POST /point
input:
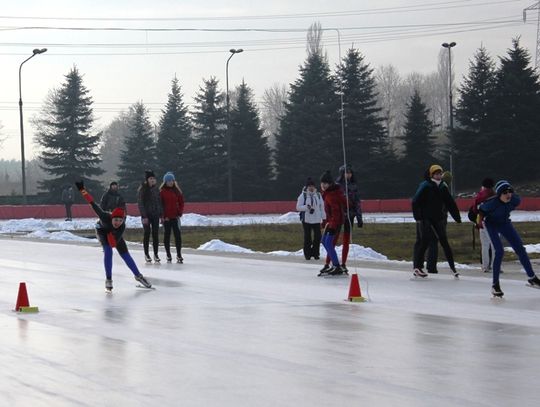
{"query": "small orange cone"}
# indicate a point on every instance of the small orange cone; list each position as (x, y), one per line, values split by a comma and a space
(23, 305)
(355, 295)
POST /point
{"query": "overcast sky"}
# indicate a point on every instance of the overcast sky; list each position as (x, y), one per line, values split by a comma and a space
(121, 67)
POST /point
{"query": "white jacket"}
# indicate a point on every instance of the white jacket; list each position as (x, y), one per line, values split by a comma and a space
(315, 200)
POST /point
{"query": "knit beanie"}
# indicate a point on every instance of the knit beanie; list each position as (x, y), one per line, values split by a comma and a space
(447, 177)
(501, 186)
(310, 182)
(433, 169)
(169, 176)
(118, 213)
(148, 174)
(327, 177)
(488, 183)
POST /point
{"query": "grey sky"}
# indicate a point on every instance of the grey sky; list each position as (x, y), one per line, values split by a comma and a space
(399, 36)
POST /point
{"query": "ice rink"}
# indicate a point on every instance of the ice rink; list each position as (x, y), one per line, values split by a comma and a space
(237, 330)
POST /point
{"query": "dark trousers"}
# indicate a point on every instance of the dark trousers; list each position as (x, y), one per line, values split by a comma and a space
(509, 233)
(428, 231)
(151, 227)
(312, 239)
(168, 225)
(68, 210)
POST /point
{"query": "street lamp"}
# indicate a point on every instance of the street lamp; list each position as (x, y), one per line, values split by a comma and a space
(35, 52)
(449, 46)
(229, 163)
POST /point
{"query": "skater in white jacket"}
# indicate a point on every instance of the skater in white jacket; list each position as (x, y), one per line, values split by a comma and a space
(310, 204)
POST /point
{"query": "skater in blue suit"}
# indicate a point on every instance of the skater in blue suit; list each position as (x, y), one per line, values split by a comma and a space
(109, 231)
(496, 215)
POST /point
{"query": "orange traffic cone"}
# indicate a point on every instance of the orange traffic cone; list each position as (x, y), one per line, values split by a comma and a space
(23, 305)
(355, 295)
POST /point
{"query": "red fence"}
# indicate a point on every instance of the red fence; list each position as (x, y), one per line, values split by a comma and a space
(229, 208)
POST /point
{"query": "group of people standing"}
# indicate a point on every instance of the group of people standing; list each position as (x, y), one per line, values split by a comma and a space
(335, 210)
(338, 206)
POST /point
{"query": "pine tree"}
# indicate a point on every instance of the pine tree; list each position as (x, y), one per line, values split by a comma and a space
(250, 152)
(139, 151)
(205, 175)
(366, 140)
(418, 139)
(470, 138)
(174, 134)
(69, 147)
(514, 119)
(309, 140)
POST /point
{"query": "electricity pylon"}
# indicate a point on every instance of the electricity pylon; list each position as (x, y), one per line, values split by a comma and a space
(535, 6)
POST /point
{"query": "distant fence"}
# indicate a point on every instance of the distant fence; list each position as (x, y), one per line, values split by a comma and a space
(229, 208)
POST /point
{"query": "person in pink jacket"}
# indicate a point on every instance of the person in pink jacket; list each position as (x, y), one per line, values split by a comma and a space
(486, 192)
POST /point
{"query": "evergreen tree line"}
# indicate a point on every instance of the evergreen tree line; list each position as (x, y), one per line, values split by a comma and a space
(496, 123)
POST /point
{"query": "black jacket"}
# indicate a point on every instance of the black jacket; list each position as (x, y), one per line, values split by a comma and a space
(431, 201)
(111, 200)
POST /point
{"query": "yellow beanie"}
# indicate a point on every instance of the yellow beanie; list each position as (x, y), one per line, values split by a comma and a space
(434, 168)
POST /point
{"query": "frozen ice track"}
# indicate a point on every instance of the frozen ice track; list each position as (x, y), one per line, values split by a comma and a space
(226, 331)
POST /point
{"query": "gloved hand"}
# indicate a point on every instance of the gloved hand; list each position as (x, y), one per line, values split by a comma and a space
(458, 220)
(360, 221)
(80, 186)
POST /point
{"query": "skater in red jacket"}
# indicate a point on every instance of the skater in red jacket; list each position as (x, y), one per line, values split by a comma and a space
(172, 201)
(335, 205)
(109, 231)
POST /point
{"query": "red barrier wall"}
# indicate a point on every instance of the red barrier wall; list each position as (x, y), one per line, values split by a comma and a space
(230, 208)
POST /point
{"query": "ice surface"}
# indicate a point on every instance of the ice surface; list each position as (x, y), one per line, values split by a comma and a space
(239, 331)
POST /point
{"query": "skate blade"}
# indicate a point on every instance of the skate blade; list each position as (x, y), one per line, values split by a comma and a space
(497, 297)
(418, 278)
(334, 276)
(146, 288)
(533, 286)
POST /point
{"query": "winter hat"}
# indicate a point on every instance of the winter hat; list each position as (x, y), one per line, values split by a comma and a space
(310, 182)
(118, 213)
(447, 177)
(148, 174)
(169, 176)
(327, 177)
(501, 186)
(113, 183)
(488, 183)
(345, 168)
(433, 169)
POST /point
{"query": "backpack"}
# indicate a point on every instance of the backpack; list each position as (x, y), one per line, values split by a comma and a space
(302, 214)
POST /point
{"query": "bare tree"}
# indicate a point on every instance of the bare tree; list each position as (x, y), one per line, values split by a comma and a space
(389, 90)
(272, 109)
(314, 39)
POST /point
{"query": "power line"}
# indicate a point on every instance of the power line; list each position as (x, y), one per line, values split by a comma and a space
(383, 10)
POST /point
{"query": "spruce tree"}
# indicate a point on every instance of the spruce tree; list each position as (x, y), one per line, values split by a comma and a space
(174, 134)
(206, 163)
(514, 119)
(417, 138)
(250, 152)
(365, 137)
(65, 134)
(470, 140)
(309, 140)
(138, 153)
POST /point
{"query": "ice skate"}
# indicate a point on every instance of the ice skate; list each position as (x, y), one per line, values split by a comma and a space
(419, 273)
(179, 259)
(324, 271)
(456, 274)
(108, 285)
(534, 282)
(336, 271)
(144, 282)
(496, 291)
(147, 259)
(169, 259)
(345, 269)
(157, 259)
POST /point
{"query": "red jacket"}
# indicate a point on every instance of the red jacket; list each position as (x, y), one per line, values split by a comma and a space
(172, 201)
(482, 196)
(335, 206)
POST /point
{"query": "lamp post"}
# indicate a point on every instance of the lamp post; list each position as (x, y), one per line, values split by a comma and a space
(229, 162)
(35, 52)
(449, 46)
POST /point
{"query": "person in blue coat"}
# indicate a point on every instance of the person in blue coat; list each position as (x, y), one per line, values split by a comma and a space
(495, 213)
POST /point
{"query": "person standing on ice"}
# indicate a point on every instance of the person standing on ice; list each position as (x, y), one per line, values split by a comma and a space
(109, 231)
(495, 215)
(347, 182)
(112, 198)
(486, 192)
(172, 201)
(310, 204)
(429, 205)
(149, 202)
(67, 200)
(335, 205)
